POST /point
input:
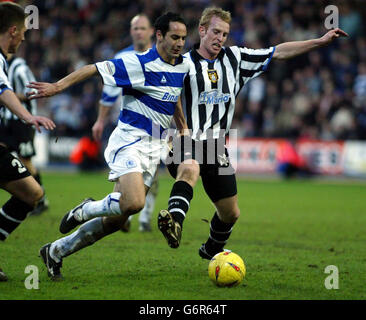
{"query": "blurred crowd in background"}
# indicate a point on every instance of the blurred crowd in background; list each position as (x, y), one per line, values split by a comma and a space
(320, 95)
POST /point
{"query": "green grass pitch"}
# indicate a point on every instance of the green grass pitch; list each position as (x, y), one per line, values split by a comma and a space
(288, 233)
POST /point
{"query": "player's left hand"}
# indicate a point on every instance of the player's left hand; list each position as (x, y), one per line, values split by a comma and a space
(333, 34)
(39, 121)
(42, 90)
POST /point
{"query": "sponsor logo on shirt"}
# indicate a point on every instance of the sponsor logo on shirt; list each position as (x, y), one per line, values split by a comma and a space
(170, 97)
(163, 80)
(213, 97)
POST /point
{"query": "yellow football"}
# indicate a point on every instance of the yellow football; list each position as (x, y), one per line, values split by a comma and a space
(226, 269)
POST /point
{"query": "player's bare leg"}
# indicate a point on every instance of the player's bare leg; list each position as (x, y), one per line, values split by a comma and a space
(221, 226)
(43, 202)
(188, 171)
(101, 222)
(147, 212)
(123, 200)
(27, 190)
(170, 221)
(228, 209)
(131, 201)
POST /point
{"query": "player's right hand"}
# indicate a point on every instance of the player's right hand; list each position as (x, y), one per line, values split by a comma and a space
(42, 90)
(39, 122)
(98, 130)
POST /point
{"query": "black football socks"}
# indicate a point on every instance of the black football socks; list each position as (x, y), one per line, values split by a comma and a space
(12, 215)
(180, 198)
(219, 235)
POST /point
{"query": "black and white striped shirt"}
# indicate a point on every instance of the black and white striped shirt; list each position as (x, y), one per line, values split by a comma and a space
(19, 75)
(208, 96)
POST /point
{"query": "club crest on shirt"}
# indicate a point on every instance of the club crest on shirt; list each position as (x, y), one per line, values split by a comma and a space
(212, 75)
(130, 164)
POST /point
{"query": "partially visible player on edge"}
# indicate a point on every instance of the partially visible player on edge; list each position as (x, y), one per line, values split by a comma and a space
(14, 176)
(152, 83)
(141, 33)
(14, 133)
(216, 76)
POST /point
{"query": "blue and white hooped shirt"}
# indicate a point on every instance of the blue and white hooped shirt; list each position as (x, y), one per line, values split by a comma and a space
(151, 88)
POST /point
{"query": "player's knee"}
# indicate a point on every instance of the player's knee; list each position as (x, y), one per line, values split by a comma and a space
(189, 172)
(35, 196)
(231, 215)
(236, 214)
(113, 224)
(132, 206)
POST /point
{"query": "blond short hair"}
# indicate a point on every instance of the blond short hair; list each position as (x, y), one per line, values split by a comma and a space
(210, 12)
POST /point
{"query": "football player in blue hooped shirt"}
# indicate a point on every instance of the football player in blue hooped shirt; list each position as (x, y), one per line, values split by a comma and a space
(152, 83)
(141, 33)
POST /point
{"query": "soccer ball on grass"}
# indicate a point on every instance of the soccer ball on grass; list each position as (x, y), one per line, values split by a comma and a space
(226, 269)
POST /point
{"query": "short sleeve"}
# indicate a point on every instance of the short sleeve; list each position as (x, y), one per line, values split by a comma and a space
(253, 62)
(114, 73)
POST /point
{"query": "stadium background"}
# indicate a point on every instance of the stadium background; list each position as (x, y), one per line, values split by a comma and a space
(316, 97)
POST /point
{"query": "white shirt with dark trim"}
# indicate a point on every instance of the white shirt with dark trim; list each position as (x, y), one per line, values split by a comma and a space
(210, 90)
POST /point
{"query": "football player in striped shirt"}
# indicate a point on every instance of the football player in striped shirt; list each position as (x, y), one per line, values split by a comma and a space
(18, 136)
(141, 33)
(14, 177)
(152, 83)
(216, 76)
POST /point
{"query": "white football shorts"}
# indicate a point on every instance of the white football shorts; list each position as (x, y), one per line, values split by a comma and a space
(126, 153)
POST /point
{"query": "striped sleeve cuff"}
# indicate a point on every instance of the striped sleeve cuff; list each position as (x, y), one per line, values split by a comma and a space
(4, 87)
(265, 66)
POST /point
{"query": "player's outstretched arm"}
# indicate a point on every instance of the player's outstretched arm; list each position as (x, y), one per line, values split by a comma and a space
(45, 89)
(292, 49)
(10, 100)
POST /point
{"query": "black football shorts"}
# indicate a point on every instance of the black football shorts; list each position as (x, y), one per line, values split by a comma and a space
(11, 167)
(217, 173)
(18, 136)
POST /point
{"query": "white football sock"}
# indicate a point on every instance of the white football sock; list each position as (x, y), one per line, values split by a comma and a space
(89, 232)
(109, 206)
